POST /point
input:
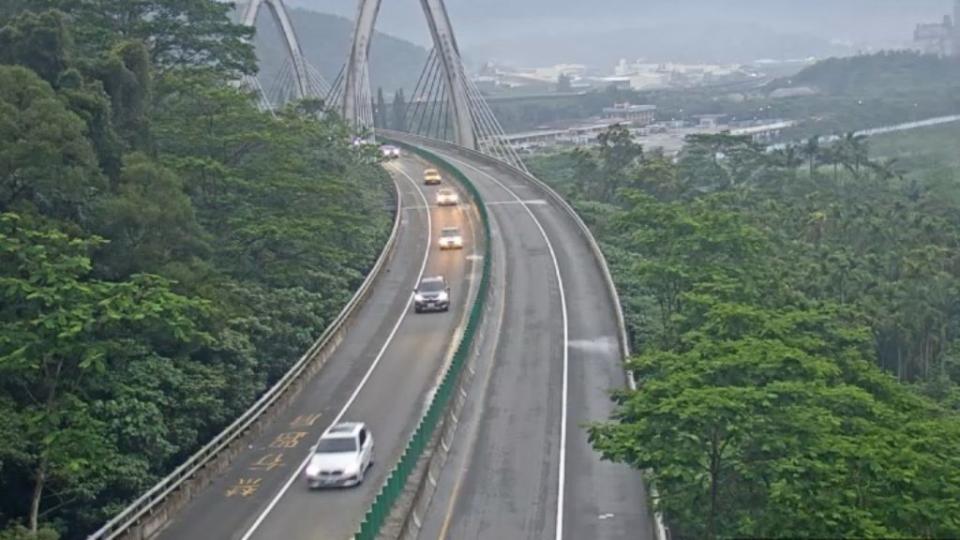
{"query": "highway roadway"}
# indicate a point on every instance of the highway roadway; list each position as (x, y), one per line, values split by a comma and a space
(382, 374)
(521, 466)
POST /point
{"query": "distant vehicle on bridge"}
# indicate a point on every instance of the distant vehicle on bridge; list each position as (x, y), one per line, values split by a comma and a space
(432, 177)
(341, 457)
(433, 294)
(447, 197)
(450, 238)
(389, 151)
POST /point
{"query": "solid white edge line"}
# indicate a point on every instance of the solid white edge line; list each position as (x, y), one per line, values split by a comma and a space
(562, 477)
(423, 266)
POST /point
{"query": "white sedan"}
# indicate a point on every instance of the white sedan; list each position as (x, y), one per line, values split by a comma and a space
(450, 238)
(341, 457)
(447, 197)
(388, 151)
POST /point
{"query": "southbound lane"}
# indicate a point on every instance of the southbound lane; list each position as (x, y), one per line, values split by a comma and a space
(381, 374)
(525, 468)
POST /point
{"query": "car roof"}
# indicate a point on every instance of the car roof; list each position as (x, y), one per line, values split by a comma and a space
(432, 279)
(446, 190)
(343, 429)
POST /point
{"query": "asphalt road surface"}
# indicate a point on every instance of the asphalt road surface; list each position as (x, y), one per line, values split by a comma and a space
(521, 466)
(382, 374)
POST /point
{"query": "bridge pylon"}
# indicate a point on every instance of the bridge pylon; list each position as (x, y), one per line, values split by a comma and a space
(354, 98)
(302, 79)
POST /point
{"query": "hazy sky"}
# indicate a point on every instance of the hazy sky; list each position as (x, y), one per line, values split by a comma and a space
(484, 26)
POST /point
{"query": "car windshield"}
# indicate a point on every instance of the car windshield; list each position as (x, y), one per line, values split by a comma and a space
(337, 445)
(431, 286)
(446, 192)
(447, 233)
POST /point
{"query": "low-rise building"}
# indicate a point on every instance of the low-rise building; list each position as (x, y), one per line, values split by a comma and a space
(629, 114)
(941, 38)
(710, 121)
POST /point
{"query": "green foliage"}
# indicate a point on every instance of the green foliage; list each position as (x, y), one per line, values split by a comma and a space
(166, 250)
(884, 72)
(19, 532)
(46, 162)
(774, 301)
(61, 332)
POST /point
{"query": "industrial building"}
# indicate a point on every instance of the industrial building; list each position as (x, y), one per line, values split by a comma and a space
(943, 38)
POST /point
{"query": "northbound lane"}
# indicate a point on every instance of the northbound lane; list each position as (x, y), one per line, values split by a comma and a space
(381, 374)
(525, 469)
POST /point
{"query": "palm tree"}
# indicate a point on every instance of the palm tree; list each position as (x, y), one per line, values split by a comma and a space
(886, 169)
(788, 157)
(811, 150)
(854, 152)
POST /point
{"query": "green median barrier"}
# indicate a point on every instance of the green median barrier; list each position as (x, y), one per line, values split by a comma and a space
(382, 505)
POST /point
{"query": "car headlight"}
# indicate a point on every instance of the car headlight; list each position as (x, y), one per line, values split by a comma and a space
(443, 297)
(418, 297)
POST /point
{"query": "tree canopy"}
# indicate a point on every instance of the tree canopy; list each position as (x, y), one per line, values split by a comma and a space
(796, 322)
(167, 251)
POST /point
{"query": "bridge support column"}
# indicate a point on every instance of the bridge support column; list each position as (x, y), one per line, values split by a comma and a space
(356, 74)
(279, 12)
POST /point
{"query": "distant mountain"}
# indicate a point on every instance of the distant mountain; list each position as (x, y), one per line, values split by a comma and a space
(325, 39)
(690, 43)
(516, 31)
(899, 73)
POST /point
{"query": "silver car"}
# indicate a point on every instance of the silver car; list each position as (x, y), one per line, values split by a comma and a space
(341, 457)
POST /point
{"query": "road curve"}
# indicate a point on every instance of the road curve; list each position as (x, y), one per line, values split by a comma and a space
(382, 374)
(522, 466)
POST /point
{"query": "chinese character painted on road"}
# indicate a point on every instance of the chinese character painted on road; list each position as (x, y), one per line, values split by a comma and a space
(268, 462)
(288, 440)
(244, 488)
(304, 420)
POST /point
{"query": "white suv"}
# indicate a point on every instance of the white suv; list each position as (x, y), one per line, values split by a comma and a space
(341, 457)
(450, 238)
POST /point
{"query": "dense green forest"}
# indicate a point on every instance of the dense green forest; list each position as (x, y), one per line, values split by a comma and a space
(166, 250)
(929, 152)
(795, 318)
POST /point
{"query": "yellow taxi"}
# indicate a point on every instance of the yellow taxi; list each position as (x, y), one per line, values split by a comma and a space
(432, 177)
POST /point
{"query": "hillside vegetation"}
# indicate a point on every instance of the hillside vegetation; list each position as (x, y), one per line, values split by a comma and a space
(166, 250)
(795, 318)
(877, 74)
(325, 39)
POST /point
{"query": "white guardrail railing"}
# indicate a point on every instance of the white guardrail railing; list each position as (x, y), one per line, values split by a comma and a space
(143, 508)
(660, 528)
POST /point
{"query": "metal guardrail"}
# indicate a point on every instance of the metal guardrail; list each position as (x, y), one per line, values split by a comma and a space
(147, 503)
(660, 529)
(397, 479)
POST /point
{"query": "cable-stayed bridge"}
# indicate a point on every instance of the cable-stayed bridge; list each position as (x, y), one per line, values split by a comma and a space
(446, 104)
(510, 458)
